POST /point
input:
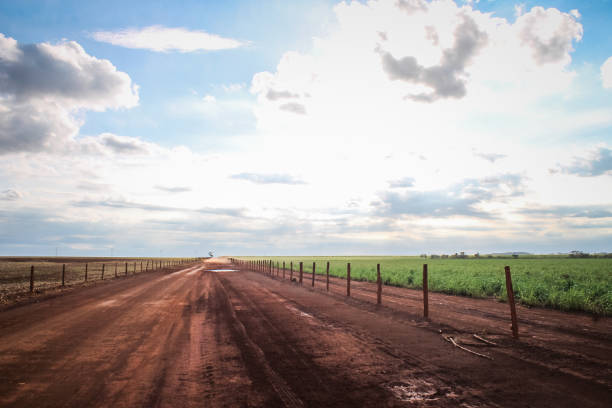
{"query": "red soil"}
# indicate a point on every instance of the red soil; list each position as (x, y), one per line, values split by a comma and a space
(200, 338)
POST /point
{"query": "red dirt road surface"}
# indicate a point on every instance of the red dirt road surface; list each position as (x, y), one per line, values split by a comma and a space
(198, 338)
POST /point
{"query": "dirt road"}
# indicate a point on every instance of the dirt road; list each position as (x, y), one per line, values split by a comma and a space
(197, 338)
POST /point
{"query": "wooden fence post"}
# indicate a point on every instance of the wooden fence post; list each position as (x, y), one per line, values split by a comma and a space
(313, 273)
(63, 274)
(85, 272)
(140, 266)
(126, 269)
(134, 268)
(327, 277)
(115, 269)
(291, 273)
(32, 279)
(301, 271)
(425, 293)
(379, 284)
(102, 277)
(348, 279)
(283, 270)
(511, 302)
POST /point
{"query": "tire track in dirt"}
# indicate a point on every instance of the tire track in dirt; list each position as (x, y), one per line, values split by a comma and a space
(282, 389)
(462, 370)
(309, 346)
(569, 338)
(97, 340)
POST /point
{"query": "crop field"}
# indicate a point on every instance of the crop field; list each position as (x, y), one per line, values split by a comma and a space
(569, 284)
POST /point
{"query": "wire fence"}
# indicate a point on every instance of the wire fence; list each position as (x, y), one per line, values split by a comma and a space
(31, 275)
(295, 273)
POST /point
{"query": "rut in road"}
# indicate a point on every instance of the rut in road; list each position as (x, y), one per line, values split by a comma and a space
(576, 344)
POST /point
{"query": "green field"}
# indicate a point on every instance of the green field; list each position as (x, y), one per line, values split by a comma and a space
(571, 284)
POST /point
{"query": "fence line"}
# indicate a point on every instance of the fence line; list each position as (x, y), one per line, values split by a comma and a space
(253, 265)
(47, 276)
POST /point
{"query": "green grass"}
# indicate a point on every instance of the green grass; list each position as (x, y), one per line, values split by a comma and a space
(570, 284)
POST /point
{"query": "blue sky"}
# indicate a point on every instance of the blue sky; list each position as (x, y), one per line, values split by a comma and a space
(286, 127)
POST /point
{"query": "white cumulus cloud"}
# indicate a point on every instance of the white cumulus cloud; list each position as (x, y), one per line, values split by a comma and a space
(165, 39)
(43, 85)
(371, 74)
(549, 33)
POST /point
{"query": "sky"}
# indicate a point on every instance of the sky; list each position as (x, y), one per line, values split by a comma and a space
(306, 127)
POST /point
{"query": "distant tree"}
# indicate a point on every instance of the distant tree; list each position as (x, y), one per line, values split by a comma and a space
(579, 254)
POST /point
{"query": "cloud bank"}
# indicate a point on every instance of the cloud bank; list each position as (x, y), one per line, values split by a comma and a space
(462, 199)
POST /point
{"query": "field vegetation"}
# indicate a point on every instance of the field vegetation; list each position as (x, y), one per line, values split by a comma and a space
(570, 284)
